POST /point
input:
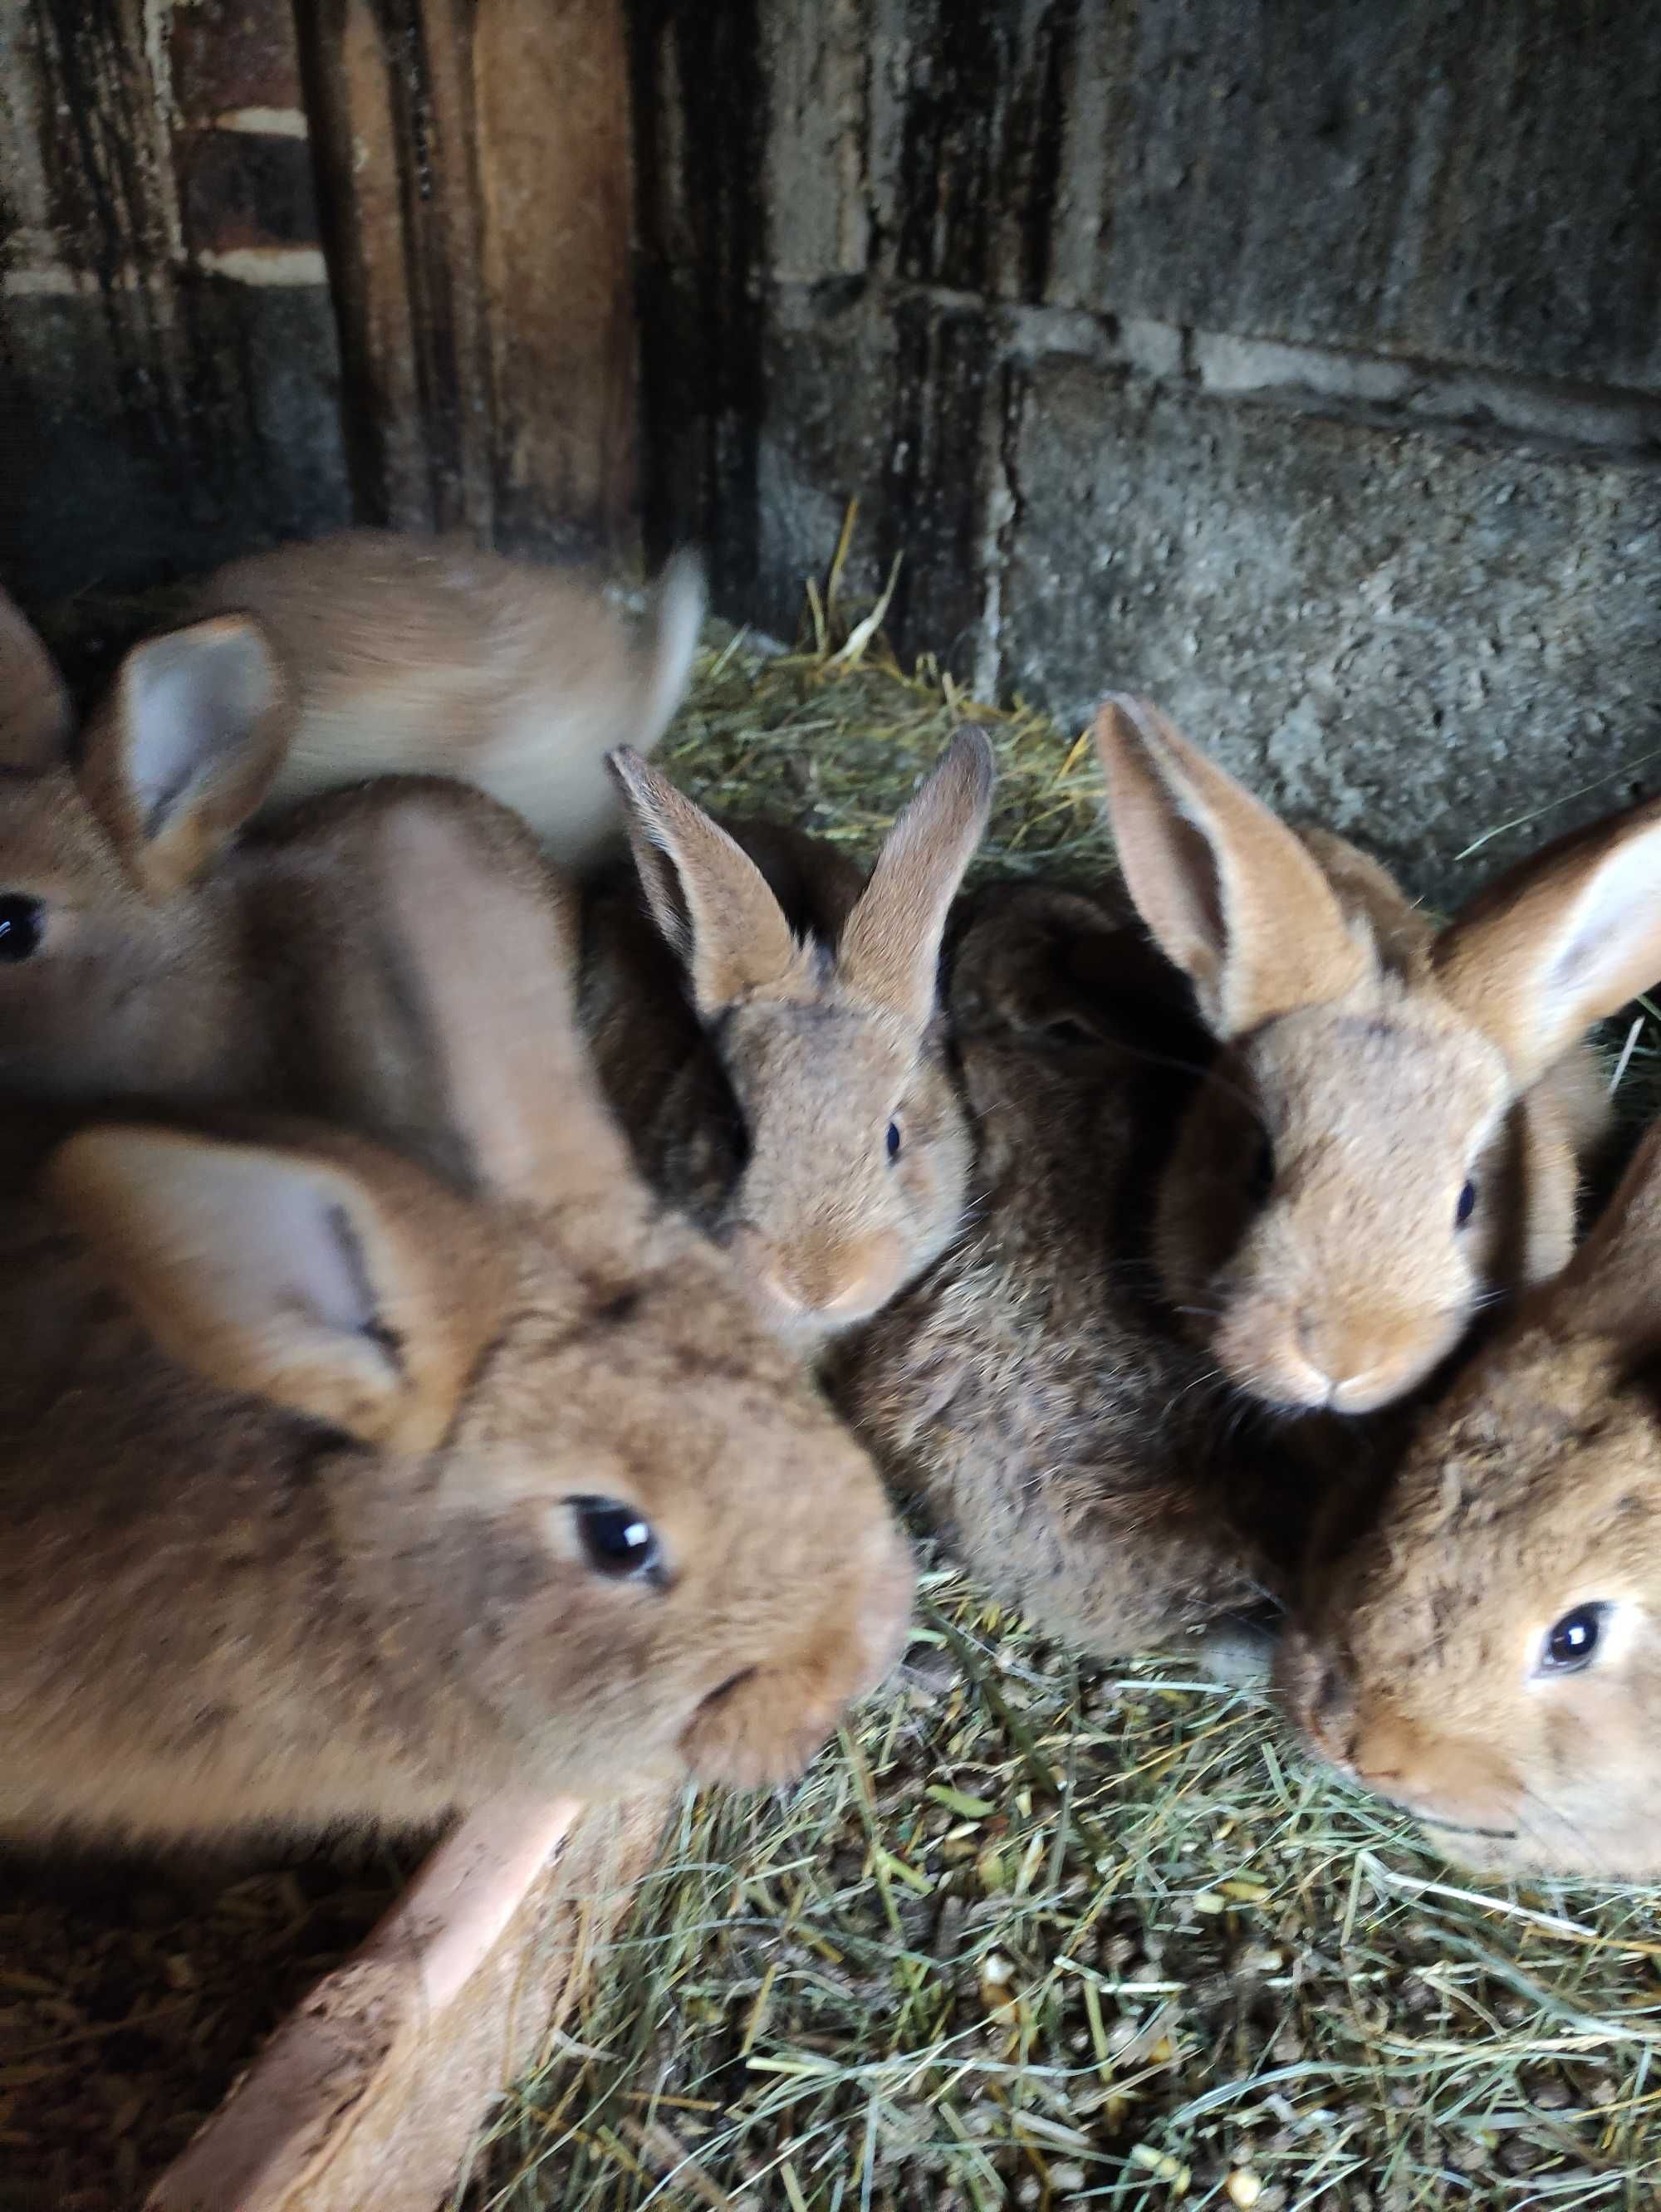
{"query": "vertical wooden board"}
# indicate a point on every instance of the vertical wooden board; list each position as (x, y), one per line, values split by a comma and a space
(555, 174)
(475, 167)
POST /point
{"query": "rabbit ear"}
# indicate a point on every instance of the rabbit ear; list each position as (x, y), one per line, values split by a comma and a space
(185, 748)
(1560, 941)
(357, 1295)
(35, 714)
(1612, 1286)
(707, 895)
(1230, 893)
(467, 1017)
(891, 949)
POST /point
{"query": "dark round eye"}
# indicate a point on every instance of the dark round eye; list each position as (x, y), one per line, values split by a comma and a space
(1467, 1206)
(1263, 1170)
(1570, 1642)
(893, 1141)
(617, 1539)
(23, 925)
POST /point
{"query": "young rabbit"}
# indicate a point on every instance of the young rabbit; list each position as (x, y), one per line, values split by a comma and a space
(122, 965)
(1032, 1390)
(1486, 1650)
(1393, 1129)
(777, 1052)
(427, 656)
(333, 1488)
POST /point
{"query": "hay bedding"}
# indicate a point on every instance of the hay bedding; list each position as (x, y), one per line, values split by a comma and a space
(1032, 1933)
(1036, 1933)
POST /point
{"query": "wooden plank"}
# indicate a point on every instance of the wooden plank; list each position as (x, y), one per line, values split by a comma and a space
(474, 158)
(374, 2090)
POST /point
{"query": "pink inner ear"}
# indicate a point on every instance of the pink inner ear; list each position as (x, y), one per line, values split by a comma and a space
(192, 701)
(312, 1246)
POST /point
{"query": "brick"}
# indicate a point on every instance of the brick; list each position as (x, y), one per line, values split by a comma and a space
(240, 188)
(227, 54)
(1469, 183)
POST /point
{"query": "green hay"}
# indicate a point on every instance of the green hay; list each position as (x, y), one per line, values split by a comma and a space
(1038, 1933)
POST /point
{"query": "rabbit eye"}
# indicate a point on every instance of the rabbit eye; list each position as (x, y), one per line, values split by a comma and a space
(1467, 1206)
(619, 1541)
(1263, 1170)
(22, 926)
(892, 1140)
(1572, 1642)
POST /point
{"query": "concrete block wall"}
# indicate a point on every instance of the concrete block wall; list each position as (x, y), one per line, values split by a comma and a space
(169, 370)
(1296, 360)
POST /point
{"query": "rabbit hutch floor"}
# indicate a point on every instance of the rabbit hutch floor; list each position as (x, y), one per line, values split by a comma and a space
(1031, 1932)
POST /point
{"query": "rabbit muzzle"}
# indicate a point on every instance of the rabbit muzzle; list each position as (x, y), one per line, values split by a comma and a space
(816, 1284)
(762, 1722)
(1311, 1355)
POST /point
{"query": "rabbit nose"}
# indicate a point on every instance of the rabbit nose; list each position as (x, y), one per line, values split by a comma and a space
(847, 1280)
(1346, 1365)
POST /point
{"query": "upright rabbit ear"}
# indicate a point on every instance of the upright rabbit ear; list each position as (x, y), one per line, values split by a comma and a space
(35, 714)
(891, 949)
(1230, 893)
(467, 1016)
(1612, 1286)
(1560, 941)
(341, 1285)
(185, 748)
(707, 895)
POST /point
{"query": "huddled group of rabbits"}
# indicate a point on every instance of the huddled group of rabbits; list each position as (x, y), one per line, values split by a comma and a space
(473, 1288)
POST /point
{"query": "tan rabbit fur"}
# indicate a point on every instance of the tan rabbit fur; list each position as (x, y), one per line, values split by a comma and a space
(1393, 1132)
(1032, 1390)
(784, 1072)
(303, 1478)
(427, 656)
(1436, 1659)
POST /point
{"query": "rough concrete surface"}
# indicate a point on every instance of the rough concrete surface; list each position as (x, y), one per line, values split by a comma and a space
(1413, 636)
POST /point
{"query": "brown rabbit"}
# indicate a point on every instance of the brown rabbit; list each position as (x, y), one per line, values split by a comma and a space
(1393, 1130)
(138, 938)
(1032, 1390)
(1486, 1649)
(333, 1488)
(122, 969)
(426, 656)
(784, 1072)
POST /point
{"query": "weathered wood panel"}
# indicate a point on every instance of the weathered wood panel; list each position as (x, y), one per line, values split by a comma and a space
(167, 357)
(477, 196)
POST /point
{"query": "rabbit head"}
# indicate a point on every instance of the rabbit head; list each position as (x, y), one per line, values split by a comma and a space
(114, 975)
(1391, 1133)
(473, 1487)
(1486, 1650)
(857, 1154)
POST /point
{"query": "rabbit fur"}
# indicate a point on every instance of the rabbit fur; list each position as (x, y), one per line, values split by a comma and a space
(1032, 1391)
(1480, 1641)
(1392, 1132)
(726, 1023)
(772, 1038)
(427, 656)
(316, 1460)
